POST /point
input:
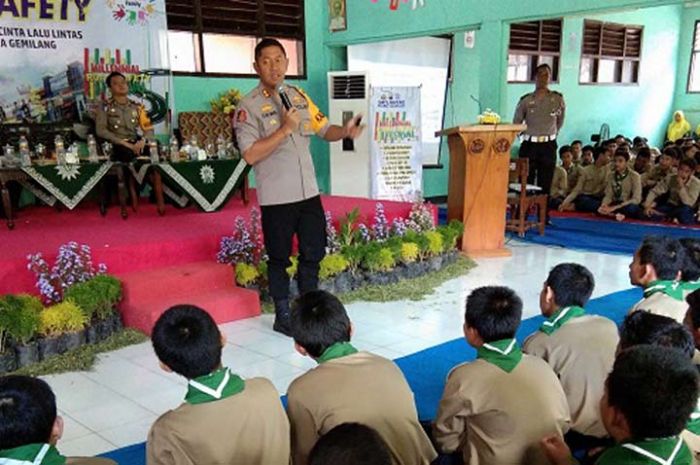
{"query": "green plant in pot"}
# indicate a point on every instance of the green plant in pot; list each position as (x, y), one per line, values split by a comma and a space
(23, 327)
(97, 298)
(62, 326)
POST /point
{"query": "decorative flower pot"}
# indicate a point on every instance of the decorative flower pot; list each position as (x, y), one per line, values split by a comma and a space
(8, 361)
(27, 354)
(70, 341)
(48, 346)
(435, 263)
(91, 334)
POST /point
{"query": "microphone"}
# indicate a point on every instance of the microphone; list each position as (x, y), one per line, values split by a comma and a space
(285, 98)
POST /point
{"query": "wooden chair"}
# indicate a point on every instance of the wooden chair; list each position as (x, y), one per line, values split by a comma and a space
(520, 201)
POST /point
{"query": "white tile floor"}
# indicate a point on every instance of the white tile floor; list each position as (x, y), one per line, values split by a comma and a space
(114, 405)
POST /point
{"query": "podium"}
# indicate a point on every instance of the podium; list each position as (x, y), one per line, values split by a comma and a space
(478, 184)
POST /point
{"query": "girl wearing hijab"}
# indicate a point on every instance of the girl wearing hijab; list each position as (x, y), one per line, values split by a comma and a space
(678, 128)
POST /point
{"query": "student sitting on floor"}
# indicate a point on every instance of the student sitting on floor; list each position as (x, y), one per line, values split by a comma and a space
(348, 386)
(350, 444)
(657, 267)
(587, 156)
(646, 328)
(661, 170)
(649, 396)
(588, 193)
(624, 190)
(642, 162)
(576, 152)
(223, 419)
(30, 426)
(580, 348)
(565, 177)
(683, 190)
(496, 408)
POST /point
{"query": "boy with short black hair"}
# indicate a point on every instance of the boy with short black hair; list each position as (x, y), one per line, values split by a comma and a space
(657, 267)
(496, 408)
(565, 177)
(691, 271)
(350, 444)
(576, 151)
(587, 155)
(588, 193)
(224, 419)
(30, 426)
(642, 162)
(683, 190)
(624, 190)
(649, 396)
(348, 386)
(642, 327)
(580, 348)
(662, 169)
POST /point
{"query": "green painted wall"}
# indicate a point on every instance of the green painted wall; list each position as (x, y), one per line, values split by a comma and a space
(631, 110)
(194, 93)
(689, 103)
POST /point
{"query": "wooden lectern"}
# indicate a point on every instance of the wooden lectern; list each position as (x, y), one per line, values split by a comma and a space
(478, 186)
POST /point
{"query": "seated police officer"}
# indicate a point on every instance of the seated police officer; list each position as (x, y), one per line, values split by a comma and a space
(123, 122)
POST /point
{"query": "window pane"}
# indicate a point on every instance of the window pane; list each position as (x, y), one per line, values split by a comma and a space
(518, 68)
(183, 51)
(229, 54)
(295, 55)
(606, 71)
(586, 72)
(694, 81)
(629, 71)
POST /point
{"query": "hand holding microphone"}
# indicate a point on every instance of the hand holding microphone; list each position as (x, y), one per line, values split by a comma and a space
(353, 129)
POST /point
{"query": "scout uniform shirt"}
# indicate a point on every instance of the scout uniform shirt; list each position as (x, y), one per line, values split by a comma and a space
(116, 123)
(544, 116)
(287, 175)
(592, 181)
(351, 386)
(572, 175)
(666, 451)
(656, 174)
(560, 183)
(580, 349)
(666, 298)
(676, 195)
(45, 454)
(497, 408)
(691, 433)
(224, 420)
(623, 188)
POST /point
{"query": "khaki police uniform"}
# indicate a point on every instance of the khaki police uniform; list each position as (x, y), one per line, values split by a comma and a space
(363, 388)
(499, 418)
(592, 183)
(286, 186)
(581, 352)
(544, 117)
(117, 123)
(246, 428)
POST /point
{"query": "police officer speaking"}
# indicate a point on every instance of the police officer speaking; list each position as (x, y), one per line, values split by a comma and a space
(273, 125)
(543, 113)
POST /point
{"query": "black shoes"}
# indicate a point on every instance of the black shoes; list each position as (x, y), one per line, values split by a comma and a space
(282, 320)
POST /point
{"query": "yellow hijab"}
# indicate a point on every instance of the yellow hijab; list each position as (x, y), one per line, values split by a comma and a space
(678, 129)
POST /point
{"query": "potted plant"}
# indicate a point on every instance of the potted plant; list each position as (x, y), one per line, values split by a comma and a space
(62, 326)
(97, 298)
(23, 327)
(8, 360)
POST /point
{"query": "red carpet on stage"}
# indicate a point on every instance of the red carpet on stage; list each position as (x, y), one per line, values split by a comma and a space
(162, 260)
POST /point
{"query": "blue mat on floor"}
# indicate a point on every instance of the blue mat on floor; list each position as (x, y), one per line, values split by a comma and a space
(600, 235)
(427, 370)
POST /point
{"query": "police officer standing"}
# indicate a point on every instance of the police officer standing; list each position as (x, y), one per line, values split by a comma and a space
(273, 125)
(543, 113)
(123, 122)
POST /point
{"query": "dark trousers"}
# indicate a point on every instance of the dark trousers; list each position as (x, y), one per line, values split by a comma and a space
(683, 213)
(630, 211)
(542, 158)
(307, 220)
(126, 155)
(587, 203)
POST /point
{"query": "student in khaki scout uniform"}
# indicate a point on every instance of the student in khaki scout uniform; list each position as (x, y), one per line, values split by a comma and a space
(565, 177)
(657, 267)
(588, 193)
(276, 143)
(656, 330)
(662, 169)
(496, 408)
(543, 112)
(683, 190)
(30, 427)
(576, 152)
(123, 122)
(587, 156)
(645, 382)
(348, 386)
(623, 193)
(580, 348)
(224, 419)
(642, 161)
(350, 444)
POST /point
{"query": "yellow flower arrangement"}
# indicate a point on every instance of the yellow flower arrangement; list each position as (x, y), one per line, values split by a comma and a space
(226, 102)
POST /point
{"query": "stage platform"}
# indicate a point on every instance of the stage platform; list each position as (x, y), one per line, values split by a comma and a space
(161, 259)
